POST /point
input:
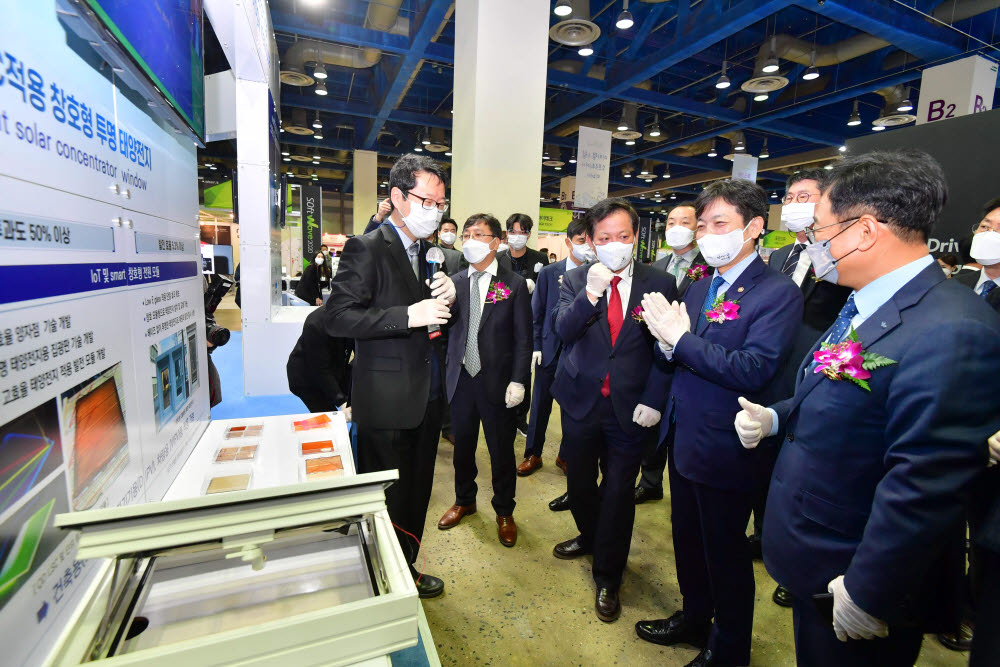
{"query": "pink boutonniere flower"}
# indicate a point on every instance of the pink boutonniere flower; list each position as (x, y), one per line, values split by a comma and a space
(498, 292)
(848, 361)
(723, 311)
(637, 314)
(697, 272)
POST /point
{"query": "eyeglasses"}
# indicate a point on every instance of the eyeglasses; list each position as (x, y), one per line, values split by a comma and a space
(811, 230)
(986, 226)
(801, 197)
(478, 236)
(427, 203)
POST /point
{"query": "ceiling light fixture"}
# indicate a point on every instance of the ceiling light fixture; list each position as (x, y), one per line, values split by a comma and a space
(723, 81)
(622, 123)
(285, 153)
(563, 8)
(739, 146)
(673, 196)
(286, 159)
(771, 64)
(318, 124)
(760, 97)
(812, 72)
(586, 50)
(774, 195)
(418, 148)
(828, 167)
(855, 118)
(321, 89)
(572, 159)
(448, 153)
(624, 20)
(654, 129)
(764, 153)
(630, 142)
(842, 149)
(712, 152)
(878, 128)
(319, 72)
(906, 105)
(666, 172)
(318, 135)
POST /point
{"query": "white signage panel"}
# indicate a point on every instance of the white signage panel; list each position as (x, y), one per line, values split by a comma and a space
(593, 166)
(745, 167)
(956, 89)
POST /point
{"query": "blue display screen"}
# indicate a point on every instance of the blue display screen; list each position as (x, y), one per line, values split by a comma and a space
(164, 37)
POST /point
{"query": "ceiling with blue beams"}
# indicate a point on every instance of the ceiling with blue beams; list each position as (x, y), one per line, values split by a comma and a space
(389, 77)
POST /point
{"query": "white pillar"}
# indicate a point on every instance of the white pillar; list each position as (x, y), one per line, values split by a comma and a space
(365, 188)
(501, 52)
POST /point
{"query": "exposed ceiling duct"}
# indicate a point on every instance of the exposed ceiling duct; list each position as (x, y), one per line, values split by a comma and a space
(298, 123)
(891, 116)
(576, 29)
(382, 15)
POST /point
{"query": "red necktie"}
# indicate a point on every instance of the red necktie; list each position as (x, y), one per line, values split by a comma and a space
(615, 321)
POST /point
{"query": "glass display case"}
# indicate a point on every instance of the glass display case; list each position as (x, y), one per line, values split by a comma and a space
(309, 574)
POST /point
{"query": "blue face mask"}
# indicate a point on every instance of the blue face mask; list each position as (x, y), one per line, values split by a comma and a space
(823, 261)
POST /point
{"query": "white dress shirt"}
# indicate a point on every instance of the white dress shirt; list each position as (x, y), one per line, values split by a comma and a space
(685, 261)
(983, 279)
(802, 267)
(407, 242)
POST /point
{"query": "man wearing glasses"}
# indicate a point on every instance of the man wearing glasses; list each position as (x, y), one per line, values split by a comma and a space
(823, 301)
(385, 298)
(986, 251)
(877, 463)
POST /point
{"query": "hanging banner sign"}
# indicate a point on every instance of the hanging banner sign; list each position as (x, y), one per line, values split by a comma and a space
(593, 167)
(312, 222)
(645, 239)
(745, 168)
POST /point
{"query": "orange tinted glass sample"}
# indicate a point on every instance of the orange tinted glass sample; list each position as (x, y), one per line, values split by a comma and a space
(317, 447)
(324, 466)
(226, 454)
(318, 421)
(100, 431)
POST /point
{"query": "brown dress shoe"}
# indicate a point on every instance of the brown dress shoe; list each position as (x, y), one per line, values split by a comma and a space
(607, 605)
(507, 530)
(529, 465)
(454, 515)
(561, 464)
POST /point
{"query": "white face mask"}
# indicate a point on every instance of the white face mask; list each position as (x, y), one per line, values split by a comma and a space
(421, 222)
(320, 260)
(475, 251)
(517, 241)
(720, 249)
(615, 255)
(679, 236)
(503, 247)
(449, 237)
(986, 248)
(947, 271)
(797, 216)
(582, 252)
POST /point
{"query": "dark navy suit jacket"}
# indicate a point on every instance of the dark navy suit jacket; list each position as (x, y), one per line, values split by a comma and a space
(544, 305)
(718, 363)
(589, 357)
(504, 336)
(874, 485)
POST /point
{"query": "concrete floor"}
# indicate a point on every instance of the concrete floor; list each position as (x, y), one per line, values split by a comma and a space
(522, 606)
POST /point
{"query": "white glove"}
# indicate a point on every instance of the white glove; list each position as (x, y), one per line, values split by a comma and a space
(515, 394)
(666, 321)
(645, 417)
(538, 267)
(752, 423)
(994, 443)
(531, 285)
(536, 359)
(442, 287)
(428, 311)
(598, 279)
(346, 410)
(850, 620)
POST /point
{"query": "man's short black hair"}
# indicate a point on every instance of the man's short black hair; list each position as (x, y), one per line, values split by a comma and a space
(904, 189)
(403, 174)
(526, 222)
(818, 175)
(747, 197)
(991, 206)
(683, 203)
(448, 221)
(950, 259)
(476, 218)
(605, 208)
(324, 246)
(575, 228)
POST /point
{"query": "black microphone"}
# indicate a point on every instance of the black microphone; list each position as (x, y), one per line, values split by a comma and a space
(435, 257)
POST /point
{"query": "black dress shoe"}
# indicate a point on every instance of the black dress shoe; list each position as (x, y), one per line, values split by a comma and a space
(782, 597)
(428, 586)
(756, 550)
(706, 659)
(674, 630)
(957, 642)
(571, 549)
(642, 494)
(560, 504)
(607, 605)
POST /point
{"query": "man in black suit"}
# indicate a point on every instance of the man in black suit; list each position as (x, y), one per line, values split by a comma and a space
(489, 364)
(823, 301)
(385, 298)
(687, 266)
(986, 251)
(319, 368)
(986, 556)
(610, 391)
